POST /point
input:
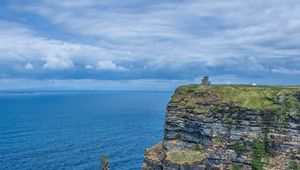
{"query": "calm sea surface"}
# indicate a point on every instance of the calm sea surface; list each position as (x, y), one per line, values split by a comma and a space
(72, 130)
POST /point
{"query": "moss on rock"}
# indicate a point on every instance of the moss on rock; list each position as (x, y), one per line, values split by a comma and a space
(181, 157)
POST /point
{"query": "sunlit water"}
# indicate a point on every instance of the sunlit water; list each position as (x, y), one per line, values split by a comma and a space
(72, 130)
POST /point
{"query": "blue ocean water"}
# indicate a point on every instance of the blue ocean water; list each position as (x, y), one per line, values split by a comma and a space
(72, 130)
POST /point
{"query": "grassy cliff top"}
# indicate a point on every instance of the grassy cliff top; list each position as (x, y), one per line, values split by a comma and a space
(254, 97)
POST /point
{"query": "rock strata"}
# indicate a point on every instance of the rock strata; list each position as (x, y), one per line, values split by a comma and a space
(229, 127)
(105, 163)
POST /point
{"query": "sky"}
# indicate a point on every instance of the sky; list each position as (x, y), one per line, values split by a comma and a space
(147, 45)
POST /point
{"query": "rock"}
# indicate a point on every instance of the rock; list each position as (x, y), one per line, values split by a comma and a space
(297, 94)
(105, 163)
(218, 127)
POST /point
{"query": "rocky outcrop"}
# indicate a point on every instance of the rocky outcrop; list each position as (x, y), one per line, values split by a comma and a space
(229, 127)
(105, 163)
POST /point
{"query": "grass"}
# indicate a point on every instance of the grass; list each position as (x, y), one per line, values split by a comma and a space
(295, 165)
(291, 106)
(259, 155)
(253, 97)
(199, 147)
(181, 157)
(235, 167)
(239, 147)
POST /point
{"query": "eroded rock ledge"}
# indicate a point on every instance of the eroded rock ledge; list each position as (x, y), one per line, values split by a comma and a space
(229, 127)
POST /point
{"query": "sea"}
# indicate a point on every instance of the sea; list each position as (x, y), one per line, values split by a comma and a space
(73, 130)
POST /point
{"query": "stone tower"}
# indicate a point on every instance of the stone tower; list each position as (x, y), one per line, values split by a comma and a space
(205, 81)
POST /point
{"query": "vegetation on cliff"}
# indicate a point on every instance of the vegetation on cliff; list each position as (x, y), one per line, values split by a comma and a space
(259, 155)
(230, 127)
(276, 98)
(182, 157)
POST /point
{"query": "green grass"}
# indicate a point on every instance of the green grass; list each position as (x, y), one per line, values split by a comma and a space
(295, 165)
(253, 97)
(239, 147)
(236, 167)
(182, 157)
(199, 147)
(259, 155)
(291, 106)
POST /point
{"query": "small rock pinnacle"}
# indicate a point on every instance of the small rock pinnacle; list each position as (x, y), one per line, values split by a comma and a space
(105, 163)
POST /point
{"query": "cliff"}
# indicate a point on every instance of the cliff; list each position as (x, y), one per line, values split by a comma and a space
(229, 127)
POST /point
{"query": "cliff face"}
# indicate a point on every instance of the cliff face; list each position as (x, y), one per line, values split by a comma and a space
(229, 127)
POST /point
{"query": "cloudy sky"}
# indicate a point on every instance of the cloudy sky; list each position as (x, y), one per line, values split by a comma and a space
(142, 44)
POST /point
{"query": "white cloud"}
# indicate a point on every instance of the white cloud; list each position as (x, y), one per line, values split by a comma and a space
(29, 66)
(164, 35)
(58, 63)
(282, 70)
(108, 65)
(18, 44)
(89, 67)
(211, 32)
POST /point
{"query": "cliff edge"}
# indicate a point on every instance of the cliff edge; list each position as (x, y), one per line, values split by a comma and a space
(229, 127)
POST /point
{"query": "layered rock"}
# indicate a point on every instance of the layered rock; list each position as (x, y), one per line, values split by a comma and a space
(105, 163)
(229, 127)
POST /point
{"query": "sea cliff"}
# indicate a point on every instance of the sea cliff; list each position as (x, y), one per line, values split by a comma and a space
(229, 127)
